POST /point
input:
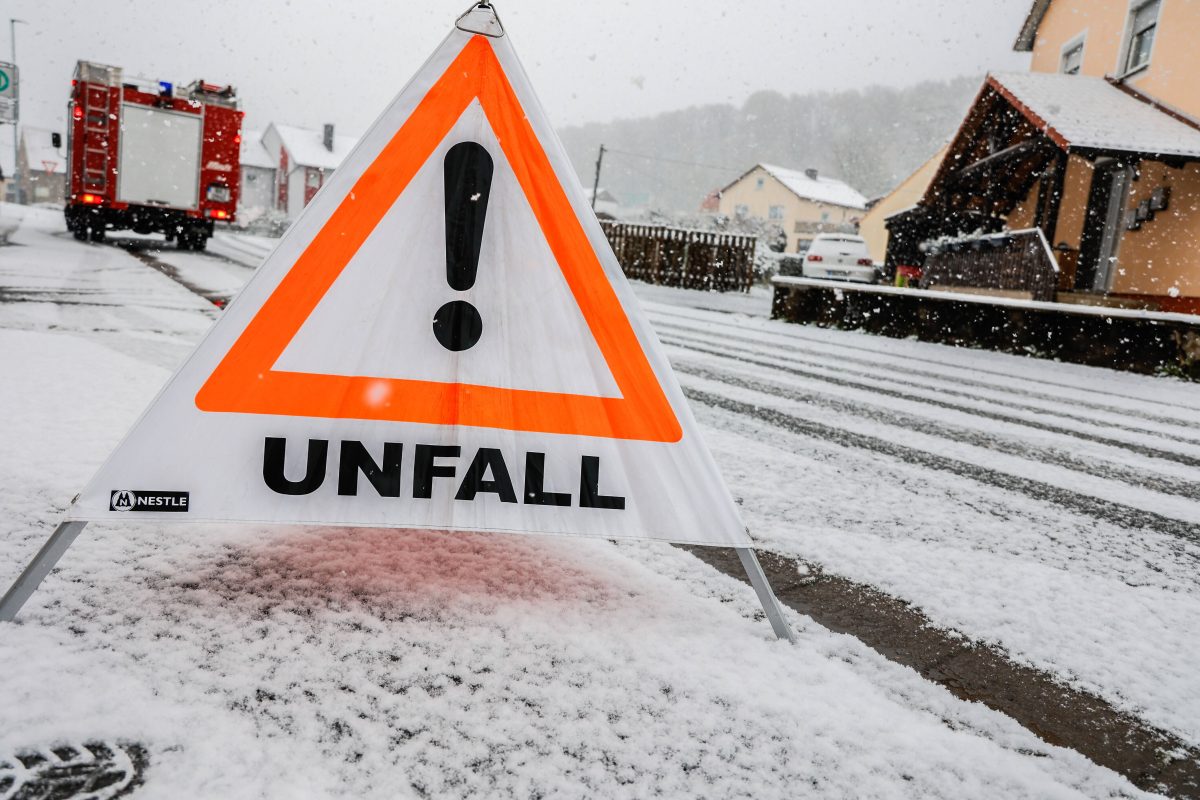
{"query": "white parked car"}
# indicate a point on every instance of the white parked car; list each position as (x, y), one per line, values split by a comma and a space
(840, 257)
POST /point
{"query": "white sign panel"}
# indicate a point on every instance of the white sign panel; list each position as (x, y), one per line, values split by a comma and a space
(9, 91)
(443, 340)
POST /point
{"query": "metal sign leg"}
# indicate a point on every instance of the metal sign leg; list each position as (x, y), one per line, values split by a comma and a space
(26, 584)
(762, 588)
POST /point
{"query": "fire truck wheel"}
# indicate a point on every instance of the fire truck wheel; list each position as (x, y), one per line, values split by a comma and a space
(96, 234)
(79, 232)
(194, 239)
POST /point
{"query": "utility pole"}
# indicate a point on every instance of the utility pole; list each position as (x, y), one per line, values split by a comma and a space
(596, 183)
(16, 171)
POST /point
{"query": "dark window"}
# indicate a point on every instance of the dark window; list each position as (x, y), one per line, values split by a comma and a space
(1072, 59)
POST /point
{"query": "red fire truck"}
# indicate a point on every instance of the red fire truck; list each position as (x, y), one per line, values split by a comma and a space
(147, 157)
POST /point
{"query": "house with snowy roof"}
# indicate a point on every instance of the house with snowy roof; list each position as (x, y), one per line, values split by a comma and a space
(1078, 181)
(304, 159)
(43, 167)
(802, 203)
(605, 203)
(258, 177)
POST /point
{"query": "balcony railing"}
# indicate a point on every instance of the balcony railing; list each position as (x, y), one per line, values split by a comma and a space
(1009, 262)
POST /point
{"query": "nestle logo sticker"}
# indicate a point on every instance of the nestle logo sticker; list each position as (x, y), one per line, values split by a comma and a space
(146, 500)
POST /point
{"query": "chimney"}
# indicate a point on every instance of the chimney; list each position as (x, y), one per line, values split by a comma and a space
(811, 172)
(329, 136)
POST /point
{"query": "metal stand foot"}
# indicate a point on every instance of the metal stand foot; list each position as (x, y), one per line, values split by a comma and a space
(770, 603)
(27, 583)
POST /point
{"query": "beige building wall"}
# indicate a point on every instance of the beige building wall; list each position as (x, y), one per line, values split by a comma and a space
(1072, 209)
(757, 201)
(1022, 216)
(873, 227)
(1163, 257)
(1174, 59)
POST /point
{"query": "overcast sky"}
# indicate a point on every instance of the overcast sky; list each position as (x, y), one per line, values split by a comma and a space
(306, 62)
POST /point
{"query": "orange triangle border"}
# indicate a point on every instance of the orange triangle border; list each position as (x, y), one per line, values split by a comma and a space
(244, 381)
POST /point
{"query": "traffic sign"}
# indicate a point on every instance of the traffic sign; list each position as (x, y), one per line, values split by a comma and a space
(9, 91)
(443, 340)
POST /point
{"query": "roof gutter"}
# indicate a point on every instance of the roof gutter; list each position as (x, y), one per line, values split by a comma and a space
(1157, 105)
(1033, 20)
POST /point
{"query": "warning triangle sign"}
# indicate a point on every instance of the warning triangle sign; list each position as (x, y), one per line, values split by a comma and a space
(443, 339)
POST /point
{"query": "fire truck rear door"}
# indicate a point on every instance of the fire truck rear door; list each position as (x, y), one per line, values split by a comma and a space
(159, 159)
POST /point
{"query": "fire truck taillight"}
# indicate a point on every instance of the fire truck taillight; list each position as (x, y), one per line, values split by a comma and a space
(77, 112)
(91, 199)
(219, 213)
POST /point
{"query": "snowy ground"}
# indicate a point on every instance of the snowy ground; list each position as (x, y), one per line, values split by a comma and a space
(1015, 500)
(1048, 509)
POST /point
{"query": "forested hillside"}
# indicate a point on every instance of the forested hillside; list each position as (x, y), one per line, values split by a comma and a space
(870, 138)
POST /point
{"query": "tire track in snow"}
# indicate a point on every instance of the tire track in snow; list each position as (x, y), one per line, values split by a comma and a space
(218, 299)
(1140, 449)
(1181, 429)
(789, 340)
(1189, 489)
(1087, 505)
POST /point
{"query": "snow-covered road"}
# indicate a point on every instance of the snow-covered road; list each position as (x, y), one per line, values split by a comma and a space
(1047, 509)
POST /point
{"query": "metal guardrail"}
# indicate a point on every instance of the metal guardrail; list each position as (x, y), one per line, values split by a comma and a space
(1138, 340)
(1107, 312)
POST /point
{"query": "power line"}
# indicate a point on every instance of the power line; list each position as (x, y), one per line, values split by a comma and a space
(673, 160)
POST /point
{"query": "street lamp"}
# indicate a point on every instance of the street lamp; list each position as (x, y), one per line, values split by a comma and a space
(16, 176)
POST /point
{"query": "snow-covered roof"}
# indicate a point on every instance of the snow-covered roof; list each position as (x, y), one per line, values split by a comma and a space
(820, 189)
(253, 154)
(603, 194)
(39, 153)
(306, 147)
(1080, 111)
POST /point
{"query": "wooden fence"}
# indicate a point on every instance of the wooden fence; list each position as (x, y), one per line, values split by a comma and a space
(683, 258)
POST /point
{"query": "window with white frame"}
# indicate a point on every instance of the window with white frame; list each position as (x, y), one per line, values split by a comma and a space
(1143, 20)
(1072, 58)
(775, 212)
(741, 210)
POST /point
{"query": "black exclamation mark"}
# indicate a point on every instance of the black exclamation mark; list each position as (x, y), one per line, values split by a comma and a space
(468, 170)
